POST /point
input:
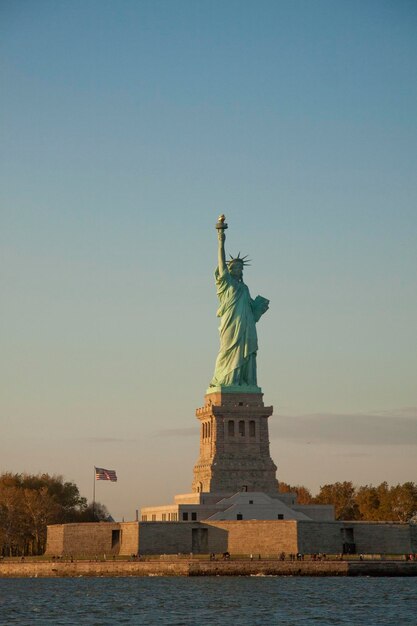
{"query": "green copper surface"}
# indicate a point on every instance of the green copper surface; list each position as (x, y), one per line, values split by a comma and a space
(236, 362)
(235, 389)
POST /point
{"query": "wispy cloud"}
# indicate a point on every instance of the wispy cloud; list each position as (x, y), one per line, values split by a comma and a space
(351, 455)
(178, 432)
(105, 439)
(396, 427)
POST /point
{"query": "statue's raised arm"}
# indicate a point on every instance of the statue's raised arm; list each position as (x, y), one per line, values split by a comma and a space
(221, 227)
(236, 362)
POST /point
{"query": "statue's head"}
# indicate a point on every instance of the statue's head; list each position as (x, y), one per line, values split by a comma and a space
(236, 265)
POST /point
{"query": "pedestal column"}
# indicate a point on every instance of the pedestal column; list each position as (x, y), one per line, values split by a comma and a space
(234, 444)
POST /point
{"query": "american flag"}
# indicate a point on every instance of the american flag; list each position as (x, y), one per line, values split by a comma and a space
(105, 474)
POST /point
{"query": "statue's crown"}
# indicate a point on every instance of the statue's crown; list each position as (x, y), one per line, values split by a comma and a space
(238, 259)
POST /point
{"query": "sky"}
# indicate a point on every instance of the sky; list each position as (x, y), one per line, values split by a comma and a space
(126, 129)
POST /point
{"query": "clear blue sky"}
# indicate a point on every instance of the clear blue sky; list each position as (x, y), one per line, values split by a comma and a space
(126, 128)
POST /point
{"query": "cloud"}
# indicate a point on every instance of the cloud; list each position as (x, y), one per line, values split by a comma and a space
(396, 427)
(178, 432)
(105, 439)
(352, 455)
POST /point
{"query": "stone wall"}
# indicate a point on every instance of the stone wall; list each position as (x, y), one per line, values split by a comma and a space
(165, 537)
(368, 537)
(181, 538)
(413, 538)
(87, 539)
(129, 538)
(382, 537)
(187, 567)
(265, 537)
(238, 537)
(55, 540)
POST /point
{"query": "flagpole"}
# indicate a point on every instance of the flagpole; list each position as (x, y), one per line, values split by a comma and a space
(94, 492)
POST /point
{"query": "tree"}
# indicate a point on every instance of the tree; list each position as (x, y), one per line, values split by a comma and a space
(342, 496)
(384, 496)
(28, 503)
(41, 510)
(15, 530)
(403, 501)
(368, 502)
(303, 493)
(65, 494)
(397, 503)
(96, 513)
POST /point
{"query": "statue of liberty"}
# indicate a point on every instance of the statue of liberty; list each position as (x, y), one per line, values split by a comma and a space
(236, 361)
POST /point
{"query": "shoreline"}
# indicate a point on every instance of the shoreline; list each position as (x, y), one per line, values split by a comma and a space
(183, 567)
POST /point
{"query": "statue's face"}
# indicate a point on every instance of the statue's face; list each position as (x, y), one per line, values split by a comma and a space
(236, 270)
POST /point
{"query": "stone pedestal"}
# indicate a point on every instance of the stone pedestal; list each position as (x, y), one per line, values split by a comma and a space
(234, 444)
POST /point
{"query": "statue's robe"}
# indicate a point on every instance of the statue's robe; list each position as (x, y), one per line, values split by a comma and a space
(236, 361)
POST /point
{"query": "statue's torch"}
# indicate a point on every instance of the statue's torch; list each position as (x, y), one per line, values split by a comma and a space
(221, 224)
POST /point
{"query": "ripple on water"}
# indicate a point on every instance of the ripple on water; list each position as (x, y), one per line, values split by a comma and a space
(216, 601)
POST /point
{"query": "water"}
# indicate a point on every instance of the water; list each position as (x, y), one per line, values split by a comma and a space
(196, 601)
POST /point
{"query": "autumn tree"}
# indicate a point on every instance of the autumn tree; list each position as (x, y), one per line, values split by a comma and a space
(342, 496)
(14, 525)
(368, 502)
(94, 513)
(396, 503)
(303, 493)
(41, 509)
(28, 503)
(403, 501)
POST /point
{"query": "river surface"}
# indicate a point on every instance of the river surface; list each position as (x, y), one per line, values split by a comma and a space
(241, 601)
